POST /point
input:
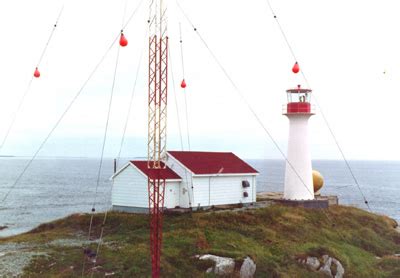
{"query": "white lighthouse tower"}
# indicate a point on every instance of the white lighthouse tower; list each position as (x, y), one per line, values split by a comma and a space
(298, 173)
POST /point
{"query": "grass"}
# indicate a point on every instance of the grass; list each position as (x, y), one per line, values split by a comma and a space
(274, 237)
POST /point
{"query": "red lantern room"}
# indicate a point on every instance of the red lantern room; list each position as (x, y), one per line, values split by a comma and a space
(298, 101)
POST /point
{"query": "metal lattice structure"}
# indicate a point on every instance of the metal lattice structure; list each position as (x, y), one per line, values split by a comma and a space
(157, 124)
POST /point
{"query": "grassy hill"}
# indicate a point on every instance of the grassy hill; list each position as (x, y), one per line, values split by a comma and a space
(273, 237)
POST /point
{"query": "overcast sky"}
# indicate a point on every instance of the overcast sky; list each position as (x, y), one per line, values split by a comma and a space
(343, 47)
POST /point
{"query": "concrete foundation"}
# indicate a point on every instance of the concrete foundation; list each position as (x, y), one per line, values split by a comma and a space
(318, 202)
(264, 199)
(315, 204)
(130, 209)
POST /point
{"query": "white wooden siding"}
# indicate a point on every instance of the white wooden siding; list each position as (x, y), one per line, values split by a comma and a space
(185, 190)
(130, 189)
(254, 189)
(201, 191)
(221, 190)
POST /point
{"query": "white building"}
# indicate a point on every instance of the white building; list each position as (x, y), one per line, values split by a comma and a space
(193, 180)
(298, 174)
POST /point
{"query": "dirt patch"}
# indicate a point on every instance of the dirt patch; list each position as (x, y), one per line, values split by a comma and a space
(70, 242)
(14, 257)
(12, 264)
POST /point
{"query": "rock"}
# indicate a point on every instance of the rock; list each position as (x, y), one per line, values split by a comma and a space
(226, 266)
(223, 266)
(339, 268)
(326, 265)
(3, 227)
(331, 267)
(248, 268)
(312, 262)
(96, 268)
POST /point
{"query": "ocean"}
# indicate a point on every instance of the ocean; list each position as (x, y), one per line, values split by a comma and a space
(55, 188)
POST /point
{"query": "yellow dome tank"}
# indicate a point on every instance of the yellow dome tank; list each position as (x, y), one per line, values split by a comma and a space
(318, 181)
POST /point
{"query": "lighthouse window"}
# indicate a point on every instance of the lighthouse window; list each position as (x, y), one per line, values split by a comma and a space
(303, 97)
(289, 97)
(298, 96)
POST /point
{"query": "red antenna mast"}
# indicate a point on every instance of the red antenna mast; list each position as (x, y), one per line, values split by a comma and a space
(157, 124)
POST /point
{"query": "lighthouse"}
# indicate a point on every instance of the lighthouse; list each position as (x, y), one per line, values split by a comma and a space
(298, 172)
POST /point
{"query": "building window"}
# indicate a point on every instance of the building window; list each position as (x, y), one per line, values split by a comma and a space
(245, 184)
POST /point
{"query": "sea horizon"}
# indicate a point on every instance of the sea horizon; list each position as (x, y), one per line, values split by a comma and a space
(57, 187)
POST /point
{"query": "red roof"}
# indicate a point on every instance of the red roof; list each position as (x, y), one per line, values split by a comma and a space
(213, 163)
(165, 173)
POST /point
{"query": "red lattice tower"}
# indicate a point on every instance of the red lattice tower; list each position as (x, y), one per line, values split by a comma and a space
(157, 125)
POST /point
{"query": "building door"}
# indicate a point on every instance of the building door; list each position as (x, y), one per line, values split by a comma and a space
(171, 199)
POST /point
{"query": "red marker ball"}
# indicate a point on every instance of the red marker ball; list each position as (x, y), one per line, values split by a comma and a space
(123, 41)
(296, 68)
(183, 84)
(37, 73)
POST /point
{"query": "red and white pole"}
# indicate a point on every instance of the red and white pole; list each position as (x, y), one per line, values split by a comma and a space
(157, 125)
